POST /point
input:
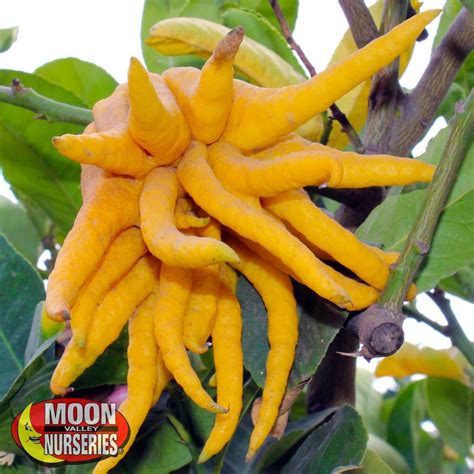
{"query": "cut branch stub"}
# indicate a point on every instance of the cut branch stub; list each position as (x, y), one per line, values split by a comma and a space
(379, 330)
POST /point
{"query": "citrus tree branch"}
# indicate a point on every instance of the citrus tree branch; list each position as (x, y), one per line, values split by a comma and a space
(385, 87)
(418, 243)
(335, 110)
(46, 108)
(418, 109)
(379, 327)
(382, 105)
(454, 329)
(361, 23)
(421, 318)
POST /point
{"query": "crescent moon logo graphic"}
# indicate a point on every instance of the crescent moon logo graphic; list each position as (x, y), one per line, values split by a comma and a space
(30, 439)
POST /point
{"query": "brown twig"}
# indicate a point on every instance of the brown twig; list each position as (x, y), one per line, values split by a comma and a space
(361, 23)
(418, 109)
(454, 329)
(383, 99)
(335, 110)
(421, 318)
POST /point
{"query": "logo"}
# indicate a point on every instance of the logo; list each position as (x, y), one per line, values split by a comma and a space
(70, 431)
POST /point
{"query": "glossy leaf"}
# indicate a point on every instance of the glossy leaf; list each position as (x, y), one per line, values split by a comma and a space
(34, 389)
(160, 452)
(449, 405)
(31, 386)
(372, 464)
(274, 451)
(464, 80)
(202, 420)
(16, 225)
(369, 402)
(263, 7)
(40, 220)
(21, 289)
(207, 9)
(7, 38)
(37, 339)
(288, 7)
(317, 328)
(410, 360)
(28, 160)
(110, 368)
(451, 250)
(87, 81)
(431, 452)
(339, 443)
(404, 424)
(390, 456)
(461, 284)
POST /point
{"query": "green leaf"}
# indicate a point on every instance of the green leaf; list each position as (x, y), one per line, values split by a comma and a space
(31, 386)
(202, 420)
(464, 80)
(447, 107)
(274, 450)
(317, 328)
(260, 29)
(339, 443)
(388, 454)
(404, 424)
(232, 458)
(157, 10)
(41, 222)
(451, 249)
(36, 337)
(207, 9)
(30, 163)
(21, 289)
(34, 389)
(110, 368)
(7, 38)
(16, 225)
(469, 4)
(461, 284)
(369, 402)
(449, 405)
(288, 7)
(430, 448)
(162, 451)
(372, 464)
(86, 80)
